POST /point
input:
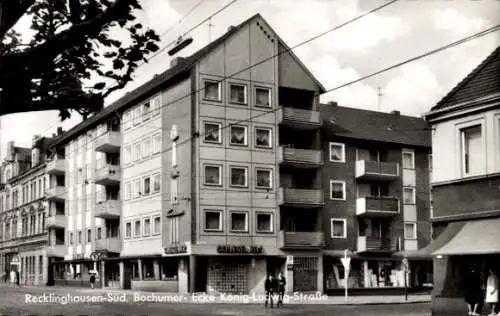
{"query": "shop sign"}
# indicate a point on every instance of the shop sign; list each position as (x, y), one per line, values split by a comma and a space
(239, 249)
(176, 249)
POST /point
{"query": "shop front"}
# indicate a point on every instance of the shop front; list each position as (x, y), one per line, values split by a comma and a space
(76, 272)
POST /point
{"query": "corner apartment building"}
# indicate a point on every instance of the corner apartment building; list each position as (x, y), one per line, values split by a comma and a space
(185, 194)
(23, 212)
(466, 178)
(377, 203)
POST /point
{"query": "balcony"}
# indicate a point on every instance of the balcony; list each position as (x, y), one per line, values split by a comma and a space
(56, 167)
(108, 209)
(56, 251)
(111, 244)
(305, 158)
(108, 175)
(301, 197)
(56, 221)
(301, 240)
(109, 142)
(298, 118)
(375, 170)
(377, 206)
(378, 244)
(56, 193)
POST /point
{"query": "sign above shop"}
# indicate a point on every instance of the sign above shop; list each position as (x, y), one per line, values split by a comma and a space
(239, 249)
(176, 249)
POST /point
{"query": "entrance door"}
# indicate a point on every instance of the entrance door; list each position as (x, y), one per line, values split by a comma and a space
(127, 275)
(305, 274)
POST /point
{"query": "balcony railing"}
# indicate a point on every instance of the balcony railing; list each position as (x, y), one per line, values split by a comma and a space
(301, 197)
(108, 209)
(56, 251)
(109, 142)
(108, 175)
(111, 244)
(377, 206)
(301, 240)
(56, 167)
(56, 221)
(56, 193)
(378, 244)
(376, 170)
(300, 157)
(299, 118)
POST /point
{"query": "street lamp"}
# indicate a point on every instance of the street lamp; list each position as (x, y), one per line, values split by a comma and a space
(405, 275)
(346, 262)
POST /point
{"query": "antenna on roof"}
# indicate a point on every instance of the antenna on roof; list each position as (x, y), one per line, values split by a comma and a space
(210, 25)
(379, 99)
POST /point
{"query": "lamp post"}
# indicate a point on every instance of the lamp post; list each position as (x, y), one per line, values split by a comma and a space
(346, 262)
(405, 269)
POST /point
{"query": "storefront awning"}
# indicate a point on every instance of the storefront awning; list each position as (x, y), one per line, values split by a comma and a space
(475, 238)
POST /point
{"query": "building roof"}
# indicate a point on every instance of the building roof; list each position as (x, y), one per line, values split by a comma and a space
(482, 81)
(361, 124)
(157, 82)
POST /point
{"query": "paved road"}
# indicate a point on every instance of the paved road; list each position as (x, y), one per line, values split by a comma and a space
(13, 302)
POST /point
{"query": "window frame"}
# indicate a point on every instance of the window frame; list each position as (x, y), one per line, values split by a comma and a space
(154, 150)
(128, 236)
(145, 151)
(414, 231)
(245, 139)
(220, 183)
(271, 178)
(137, 232)
(245, 185)
(344, 192)
(221, 223)
(138, 194)
(146, 110)
(144, 233)
(271, 222)
(143, 185)
(463, 161)
(156, 111)
(245, 93)
(246, 229)
(270, 130)
(137, 149)
(269, 96)
(205, 132)
(408, 152)
(219, 90)
(414, 195)
(153, 191)
(344, 227)
(127, 192)
(153, 231)
(342, 146)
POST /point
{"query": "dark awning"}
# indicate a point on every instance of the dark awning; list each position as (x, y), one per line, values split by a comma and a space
(474, 238)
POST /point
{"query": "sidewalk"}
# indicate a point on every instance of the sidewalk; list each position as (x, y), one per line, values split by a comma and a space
(198, 298)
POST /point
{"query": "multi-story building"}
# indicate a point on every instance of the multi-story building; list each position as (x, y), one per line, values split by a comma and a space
(23, 210)
(466, 179)
(189, 193)
(376, 183)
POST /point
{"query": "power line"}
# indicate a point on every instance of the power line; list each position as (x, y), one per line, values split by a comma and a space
(184, 17)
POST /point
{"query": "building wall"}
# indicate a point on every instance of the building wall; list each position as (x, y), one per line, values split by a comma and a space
(446, 143)
(247, 47)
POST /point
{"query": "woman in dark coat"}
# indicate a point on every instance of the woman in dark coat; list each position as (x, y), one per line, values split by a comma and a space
(472, 289)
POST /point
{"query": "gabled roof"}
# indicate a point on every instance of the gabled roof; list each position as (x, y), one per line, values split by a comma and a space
(183, 67)
(368, 125)
(482, 81)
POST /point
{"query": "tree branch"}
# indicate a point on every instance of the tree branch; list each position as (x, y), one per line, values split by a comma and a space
(10, 12)
(75, 11)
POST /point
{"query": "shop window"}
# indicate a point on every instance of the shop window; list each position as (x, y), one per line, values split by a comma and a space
(263, 97)
(135, 270)
(263, 137)
(148, 271)
(169, 269)
(264, 223)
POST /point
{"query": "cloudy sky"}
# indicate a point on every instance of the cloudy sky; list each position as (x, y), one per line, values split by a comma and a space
(396, 33)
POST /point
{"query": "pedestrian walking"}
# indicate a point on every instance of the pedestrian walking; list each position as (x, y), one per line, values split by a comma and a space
(281, 288)
(270, 286)
(92, 279)
(18, 277)
(472, 289)
(492, 291)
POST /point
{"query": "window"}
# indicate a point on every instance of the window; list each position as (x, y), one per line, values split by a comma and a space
(238, 135)
(156, 105)
(156, 143)
(146, 147)
(128, 191)
(337, 190)
(238, 176)
(213, 133)
(137, 188)
(410, 230)
(213, 175)
(213, 220)
(263, 137)
(128, 229)
(146, 185)
(381, 189)
(147, 227)
(156, 225)
(89, 235)
(337, 152)
(264, 178)
(137, 228)
(99, 233)
(156, 183)
(136, 153)
(339, 228)
(126, 120)
(472, 151)
(146, 108)
(173, 224)
(429, 161)
(137, 115)
(409, 195)
(239, 222)
(264, 223)
(408, 160)
(263, 97)
(212, 90)
(238, 93)
(174, 199)
(79, 236)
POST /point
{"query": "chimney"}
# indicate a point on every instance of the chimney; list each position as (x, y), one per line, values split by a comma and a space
(60, 131)
(396, 113)
(232, 27)
(175, 61)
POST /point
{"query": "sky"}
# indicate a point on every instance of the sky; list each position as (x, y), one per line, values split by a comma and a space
(398, 32)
